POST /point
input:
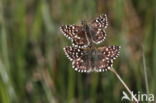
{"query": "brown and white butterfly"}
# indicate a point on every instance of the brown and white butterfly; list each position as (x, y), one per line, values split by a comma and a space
(83, 36)
(92, 59)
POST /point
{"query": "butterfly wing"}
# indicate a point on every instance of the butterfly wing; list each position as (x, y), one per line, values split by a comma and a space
(111, 52)
(76, 34)
(102, 64)
(73, 53)
(96, 28)
(70, 30)
(100, 22)
(82, 64)
(78, 57)
(105, 57)
(98, 34)
(80, 41)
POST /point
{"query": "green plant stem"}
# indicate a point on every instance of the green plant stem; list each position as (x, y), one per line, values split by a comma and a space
(145, 73)
(124, 84)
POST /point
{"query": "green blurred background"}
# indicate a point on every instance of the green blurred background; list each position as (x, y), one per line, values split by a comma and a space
(34, 68)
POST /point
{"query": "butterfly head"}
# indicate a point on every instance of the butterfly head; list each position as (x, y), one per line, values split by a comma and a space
(84, 24)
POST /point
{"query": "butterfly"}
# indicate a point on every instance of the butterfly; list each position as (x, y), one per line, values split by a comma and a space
(83, 36)
(92, 59)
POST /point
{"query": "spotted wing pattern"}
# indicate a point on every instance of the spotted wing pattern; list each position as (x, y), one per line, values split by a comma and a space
(73, 53)
(76, 34)
(82, 64)
(111, 52)
(105, 58)
(98, 35)
(97, 28)
(78, 57)
(100, 22)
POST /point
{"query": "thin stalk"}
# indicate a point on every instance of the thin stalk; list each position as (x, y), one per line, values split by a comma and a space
(145, 73)
(124, 84)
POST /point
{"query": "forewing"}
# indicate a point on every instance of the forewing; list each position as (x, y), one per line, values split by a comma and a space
(76, 34)
(111, 52)
(100, 22)
(98, 27)
(73, 53)
(70, 31)
(105, 57)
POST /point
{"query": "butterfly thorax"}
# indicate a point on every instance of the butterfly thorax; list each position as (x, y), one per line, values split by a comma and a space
(87, 31)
